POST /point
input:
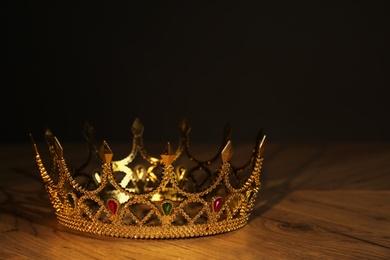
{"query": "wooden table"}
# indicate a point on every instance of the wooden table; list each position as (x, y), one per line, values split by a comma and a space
(318, 201)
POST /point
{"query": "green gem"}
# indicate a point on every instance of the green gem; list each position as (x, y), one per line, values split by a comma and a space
(167, 207)
(71, 200)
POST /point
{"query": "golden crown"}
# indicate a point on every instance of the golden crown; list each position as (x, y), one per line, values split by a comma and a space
(141, 196)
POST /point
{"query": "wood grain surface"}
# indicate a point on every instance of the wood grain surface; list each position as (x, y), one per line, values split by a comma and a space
(318, 201)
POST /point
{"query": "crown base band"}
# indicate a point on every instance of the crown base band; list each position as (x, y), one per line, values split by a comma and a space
(154, 232)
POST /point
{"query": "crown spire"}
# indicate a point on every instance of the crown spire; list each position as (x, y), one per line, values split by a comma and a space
(34, 144)
(137, 128)
(227, 152)
(58, 148)
(105, 153)
(168, 154)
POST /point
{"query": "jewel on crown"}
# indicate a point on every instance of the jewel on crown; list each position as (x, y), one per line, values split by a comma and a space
(141, 196)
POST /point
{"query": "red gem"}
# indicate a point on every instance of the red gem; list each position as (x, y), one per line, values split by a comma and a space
(217, 204)
(113, 206)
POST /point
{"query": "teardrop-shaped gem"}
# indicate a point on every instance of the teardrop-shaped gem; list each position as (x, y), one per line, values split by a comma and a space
(71, 200)
(113, 206)
(167, 207)
(217, 204)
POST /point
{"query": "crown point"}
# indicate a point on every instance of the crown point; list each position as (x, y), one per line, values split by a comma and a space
(34, 144)
(168, 154)
(184, 127)
(48, 135)
(137, 128)
(58, 148)
(261, 146)
(227, 152)
(105, 153)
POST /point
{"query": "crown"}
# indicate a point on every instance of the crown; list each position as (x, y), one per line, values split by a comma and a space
(141, 196)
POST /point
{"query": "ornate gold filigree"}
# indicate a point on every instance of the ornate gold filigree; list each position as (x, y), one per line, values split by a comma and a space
(142, 196)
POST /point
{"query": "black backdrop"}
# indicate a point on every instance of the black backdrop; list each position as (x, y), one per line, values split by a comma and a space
(303, 70)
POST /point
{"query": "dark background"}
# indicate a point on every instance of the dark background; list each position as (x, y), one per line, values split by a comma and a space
(303, 70)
